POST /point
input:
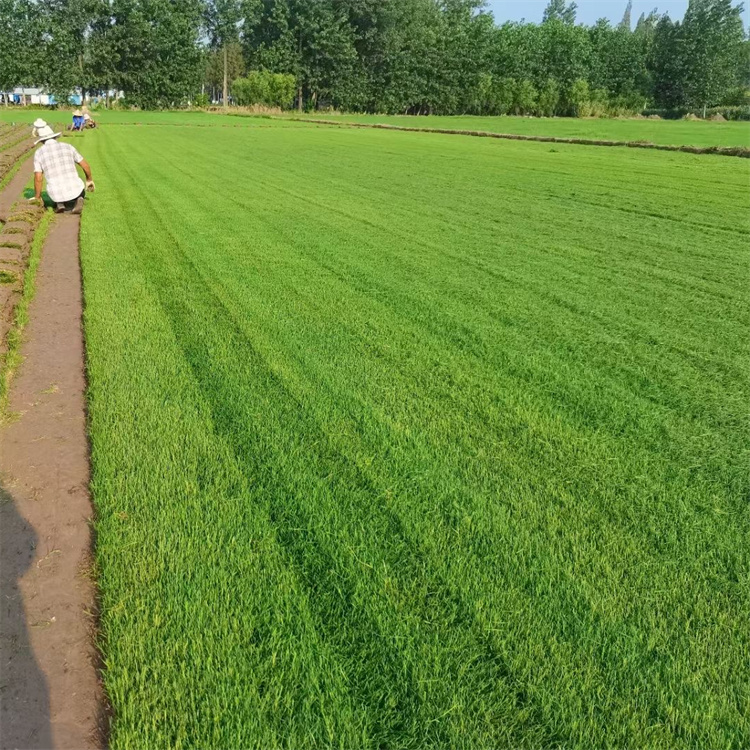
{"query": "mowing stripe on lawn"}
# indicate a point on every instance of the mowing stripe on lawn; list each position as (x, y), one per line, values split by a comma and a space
(402, 441)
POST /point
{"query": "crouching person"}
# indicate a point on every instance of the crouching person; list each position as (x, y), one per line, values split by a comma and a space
(56, 162)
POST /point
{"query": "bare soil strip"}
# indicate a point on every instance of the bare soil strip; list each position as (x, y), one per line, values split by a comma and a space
(10, 156)
(12, 191)
(740, 151)
(16, 242)
(50, 695)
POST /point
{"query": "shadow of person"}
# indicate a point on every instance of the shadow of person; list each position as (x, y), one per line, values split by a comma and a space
(24, 698)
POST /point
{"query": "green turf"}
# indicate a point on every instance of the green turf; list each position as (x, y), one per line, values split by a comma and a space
(404, 441)
(668, 132)
(20, 114)
(126, 117)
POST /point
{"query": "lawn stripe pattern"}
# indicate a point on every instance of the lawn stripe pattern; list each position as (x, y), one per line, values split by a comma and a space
(405, 442)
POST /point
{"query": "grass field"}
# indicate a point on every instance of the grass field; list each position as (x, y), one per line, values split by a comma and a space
(670, 132)
(409, 441)
(667, 132)
(119, 117)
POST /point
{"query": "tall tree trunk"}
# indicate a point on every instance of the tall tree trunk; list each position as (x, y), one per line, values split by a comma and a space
(225, 93)
(299, 99)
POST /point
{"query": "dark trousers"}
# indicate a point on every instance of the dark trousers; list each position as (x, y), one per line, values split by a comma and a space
(70, 205)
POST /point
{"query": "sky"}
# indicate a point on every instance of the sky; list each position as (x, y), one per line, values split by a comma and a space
(591, 10)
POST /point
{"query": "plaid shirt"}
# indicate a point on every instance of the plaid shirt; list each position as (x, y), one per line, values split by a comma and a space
(58, 162)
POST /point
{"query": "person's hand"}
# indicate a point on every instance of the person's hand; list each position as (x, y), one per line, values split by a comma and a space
(90, 185)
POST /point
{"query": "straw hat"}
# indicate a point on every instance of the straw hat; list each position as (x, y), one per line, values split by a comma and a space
(44, 134)
(78, 113)
(38, 124)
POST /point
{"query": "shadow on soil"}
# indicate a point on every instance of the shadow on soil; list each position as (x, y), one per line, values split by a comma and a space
(24, 698)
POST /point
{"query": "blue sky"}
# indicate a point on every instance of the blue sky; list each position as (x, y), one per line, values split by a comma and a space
(590, 10)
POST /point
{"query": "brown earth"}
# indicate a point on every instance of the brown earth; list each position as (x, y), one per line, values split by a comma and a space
(12, 191)
(9, 156)
(50, 695)
(16, 237)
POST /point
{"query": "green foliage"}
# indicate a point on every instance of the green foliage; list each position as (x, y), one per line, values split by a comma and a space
(417, 441)
(263, 87)
(549, 98)
(741, 113)
(21, 41)
(394, 56)
(559, 10)
(524, 98)
(712, 39)
(599, 104)
(738, 97)
(578, 98)
(201, 100)
(214, 75)
(148, 32)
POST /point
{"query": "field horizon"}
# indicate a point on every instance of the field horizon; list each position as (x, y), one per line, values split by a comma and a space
(664, 132)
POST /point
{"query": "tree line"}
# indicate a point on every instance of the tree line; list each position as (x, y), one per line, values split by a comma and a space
(395, 56)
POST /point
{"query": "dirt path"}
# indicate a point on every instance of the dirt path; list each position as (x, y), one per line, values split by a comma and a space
(49, 692)
(12, 191)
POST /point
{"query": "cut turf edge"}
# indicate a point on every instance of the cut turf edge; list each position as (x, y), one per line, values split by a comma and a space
(12, 356)
(738, 151)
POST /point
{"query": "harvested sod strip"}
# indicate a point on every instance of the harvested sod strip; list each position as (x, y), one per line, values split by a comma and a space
(405, 442)
(666, 132)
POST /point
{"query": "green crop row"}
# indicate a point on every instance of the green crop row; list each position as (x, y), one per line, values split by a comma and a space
(404, 441)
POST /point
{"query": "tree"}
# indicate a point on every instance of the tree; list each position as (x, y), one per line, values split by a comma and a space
(618, 60)
(557, 10)
(223, 19)
(20, 31)
(220, 67)
(626, 22)
(65, 27)
(101, 59)
(579, 98)
(564, 53)
(157, 42)
(646, 25)
(549, 98)
(410, 56)
(262, 87)
(712, 38)
(525, 98)
(309, 39)
(666, 64)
